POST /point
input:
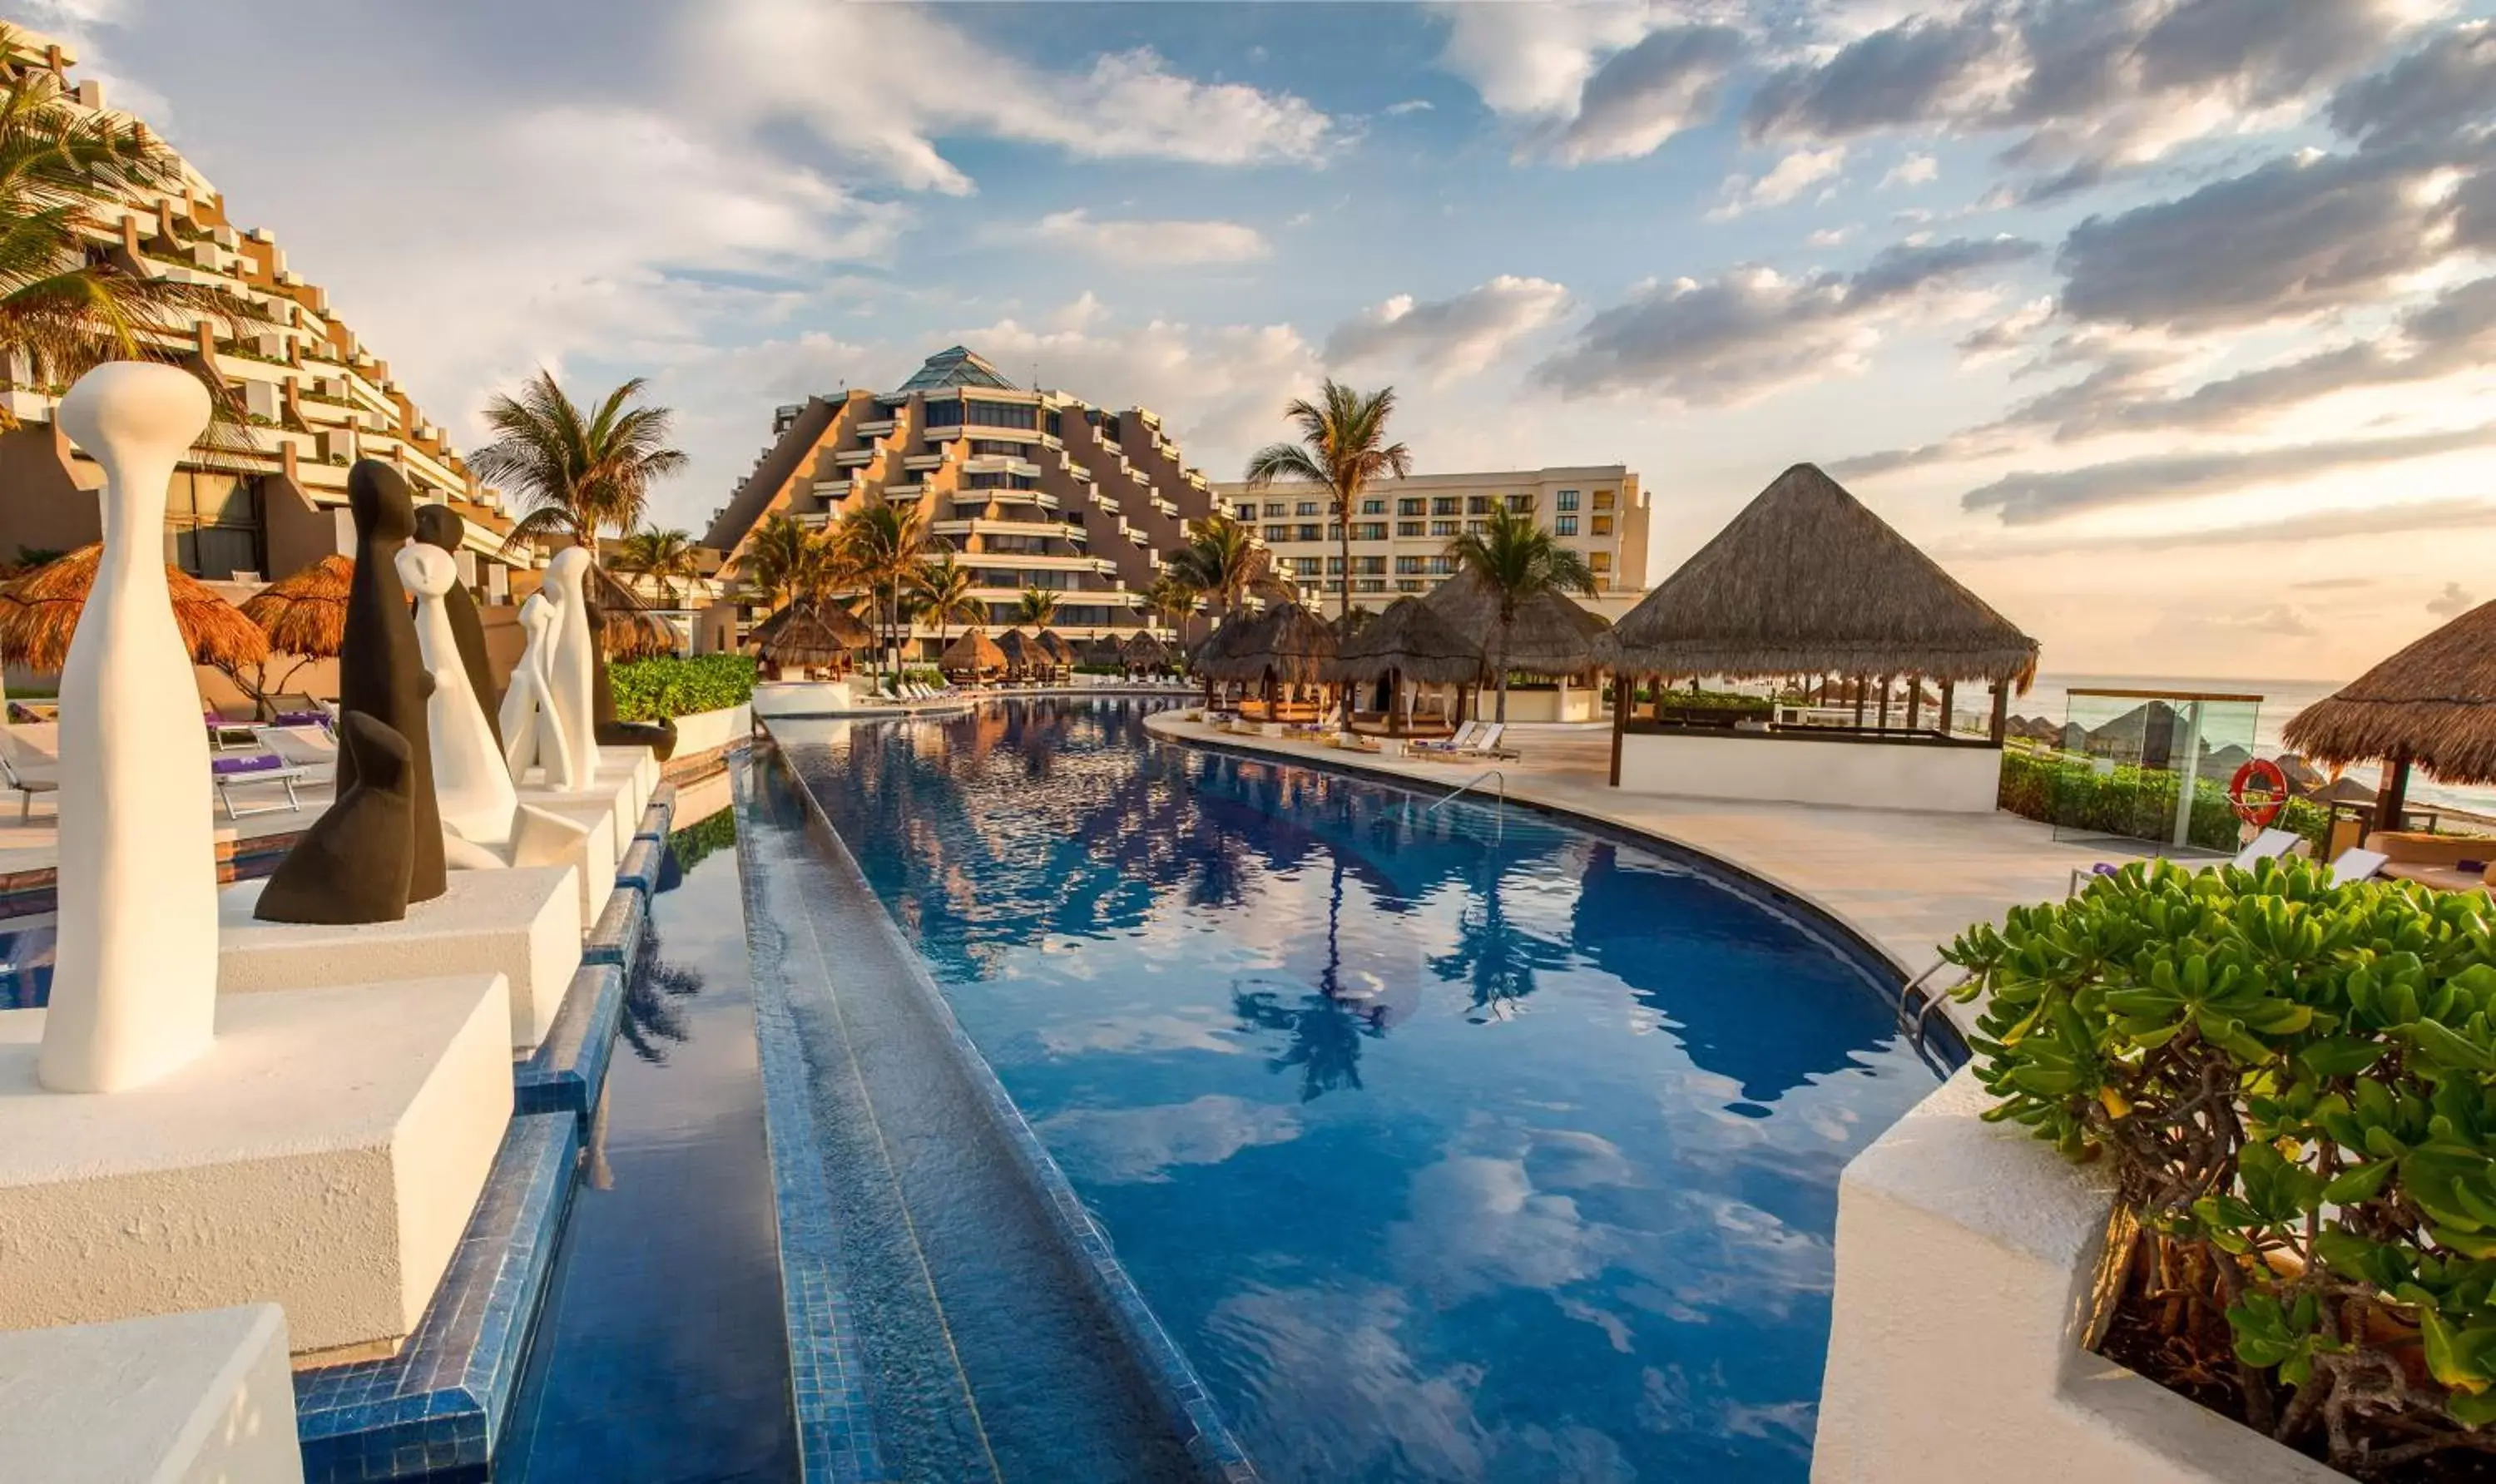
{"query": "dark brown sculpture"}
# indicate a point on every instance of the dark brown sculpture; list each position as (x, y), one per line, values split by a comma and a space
(660, 737)
(381, 671)
(351, 865)
(439, 525)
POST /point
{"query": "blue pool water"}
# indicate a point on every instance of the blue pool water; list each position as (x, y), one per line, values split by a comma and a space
(1464, 1145)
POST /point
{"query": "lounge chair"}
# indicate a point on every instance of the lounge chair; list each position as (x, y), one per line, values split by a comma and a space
(2269, 844)
(30, 763)
(2355, 864)
(1461, 741)
(1485, 743)
(304, 747)
(230, 773)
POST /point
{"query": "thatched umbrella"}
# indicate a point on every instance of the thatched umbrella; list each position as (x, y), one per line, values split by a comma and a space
(2432, 705)
(1023, 653)
(39, 613)
(811, 633)
(1143, 651)
(972, 654)
(1288, 644)
(1552, 636)
(1412, 643)
(1807, 581)
(305, 612)
(1052, 643)
(627, 629)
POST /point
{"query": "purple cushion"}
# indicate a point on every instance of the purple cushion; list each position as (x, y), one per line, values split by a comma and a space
(303, 719)
(265, 762)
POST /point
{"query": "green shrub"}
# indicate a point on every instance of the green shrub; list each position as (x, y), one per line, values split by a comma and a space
(2294, 1085)
(2066, 791)
(668, 686)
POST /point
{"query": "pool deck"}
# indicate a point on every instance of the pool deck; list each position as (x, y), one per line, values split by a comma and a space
(1905, 881)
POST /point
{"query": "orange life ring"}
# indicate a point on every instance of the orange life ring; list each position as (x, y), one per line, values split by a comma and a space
(2273, 795)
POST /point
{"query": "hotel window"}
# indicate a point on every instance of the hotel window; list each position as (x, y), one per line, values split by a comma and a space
(1370, 585)
(1475, 527)
(1369, 566)
(943, 415)
(1563, 525)
(1600, 561)
(1274, 510)
(1275, 534)
(1334, 566)
(1004, 414)
(1308, 532)
(216, 519)
(1408, 528)
(1602, 525)
(1410, 507)
(1409, 585)
(1522, 505)
(1566, 500)
(993, 447)
(1369, 531)
(1373, 506)
(1443, 528)
(1307, 508)
(1441, 566)
(1444, 505)
(1603, 499)
(1408, 564)
(1478, 505)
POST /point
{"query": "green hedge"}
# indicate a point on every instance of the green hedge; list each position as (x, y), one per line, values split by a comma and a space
(659, 689)
(2067, 791)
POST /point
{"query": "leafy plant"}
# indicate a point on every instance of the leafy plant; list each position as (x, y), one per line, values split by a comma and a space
(2295, 1086)
(666, 686)
(2066, 791)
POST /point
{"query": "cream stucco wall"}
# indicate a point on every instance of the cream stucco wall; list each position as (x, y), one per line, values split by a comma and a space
(202, 1398)
(1966, 1258)
(707, 731)
(1786, 770)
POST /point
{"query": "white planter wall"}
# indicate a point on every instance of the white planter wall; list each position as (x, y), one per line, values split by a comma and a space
(1966, 1254)
(1788, 770)
(707, 731)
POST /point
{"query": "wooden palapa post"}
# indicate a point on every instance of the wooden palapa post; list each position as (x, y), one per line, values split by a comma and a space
(2000, 710)
(2393, 800)
(1624, 689)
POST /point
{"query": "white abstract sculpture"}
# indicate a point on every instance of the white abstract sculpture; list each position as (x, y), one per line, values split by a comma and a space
(472, 783)
(532, 729)
(135, 970)
(573, 661)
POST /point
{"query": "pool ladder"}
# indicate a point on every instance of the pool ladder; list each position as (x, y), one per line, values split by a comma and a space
(1470, 783)
(1916, 1022)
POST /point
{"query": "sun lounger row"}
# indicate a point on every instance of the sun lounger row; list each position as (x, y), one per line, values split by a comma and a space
(1474, 739)
(286, 756)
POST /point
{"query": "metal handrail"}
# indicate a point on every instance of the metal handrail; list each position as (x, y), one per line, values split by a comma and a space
(1924, 1012)
(1469, 782)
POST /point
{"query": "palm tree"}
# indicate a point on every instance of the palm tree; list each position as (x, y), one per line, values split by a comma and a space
(578, 470)
(943, 587)
(64, 304)
(1221, 560)
(664, 557)
(774, 559)
(1173, 599)
(1037, 607)
(1517, 560)
(1343, 448)
(881, 543)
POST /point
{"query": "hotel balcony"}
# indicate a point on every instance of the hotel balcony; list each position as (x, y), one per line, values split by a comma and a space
(876, 429)
(998, 463)
(980, 525)
(922, 463)
(853, 457)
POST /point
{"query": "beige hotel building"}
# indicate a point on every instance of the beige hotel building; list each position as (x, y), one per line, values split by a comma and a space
(1400, 531)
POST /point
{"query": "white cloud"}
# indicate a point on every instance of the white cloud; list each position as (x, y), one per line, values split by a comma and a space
(1913, 170)
(1832, 236)
(1145, 243)
(1140, 1146)
(1453, 337)
(1535, 59)
(1408, 105)
(2452, 602)
(1788, 180)
(913, 79)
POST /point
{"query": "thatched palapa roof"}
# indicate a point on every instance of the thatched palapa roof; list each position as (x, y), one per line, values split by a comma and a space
(1022, 652)
(807, 632)
(1807, 581)
(305, 612)
(627, 629)
(2433, 703)
(1551, 636)
(1143, 651)
(1235, 630)
(38, 614)
(974, 651)
(1054, 645)
(1409, 640)
(1287, 638)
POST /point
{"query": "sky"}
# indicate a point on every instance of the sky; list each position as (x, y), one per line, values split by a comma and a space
(2168, 325)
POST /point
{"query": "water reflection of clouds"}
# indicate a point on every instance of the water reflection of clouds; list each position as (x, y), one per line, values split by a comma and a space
(1121, 1146)
(1191, 1030)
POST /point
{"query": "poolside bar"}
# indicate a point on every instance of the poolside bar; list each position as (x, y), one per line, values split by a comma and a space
(1806, 581)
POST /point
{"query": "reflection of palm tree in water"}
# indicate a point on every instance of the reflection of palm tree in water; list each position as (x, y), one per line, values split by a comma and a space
(651, 1013)
(1493, 958)
(1325, 1032)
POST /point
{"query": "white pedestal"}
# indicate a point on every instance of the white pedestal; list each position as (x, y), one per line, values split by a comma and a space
(608, 790)
(523, 923)
(637, 769)
(325, 1155)
(601, 849)
(188, 1397)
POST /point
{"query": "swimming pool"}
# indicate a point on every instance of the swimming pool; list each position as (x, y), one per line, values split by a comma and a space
(1461, 1144)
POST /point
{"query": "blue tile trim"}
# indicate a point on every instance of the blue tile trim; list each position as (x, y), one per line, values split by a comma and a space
(1173, 1381)
(660, 817)
(441, 1403)
(828, 1368)
(568, 1070)
(617, 939)
(641, 866)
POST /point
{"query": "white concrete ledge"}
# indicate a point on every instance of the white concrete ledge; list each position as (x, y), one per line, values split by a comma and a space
(707, 731)
(1952, 778)
(523, 923)
(1967, 1252)
(325, 1154)
(196, 1398)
